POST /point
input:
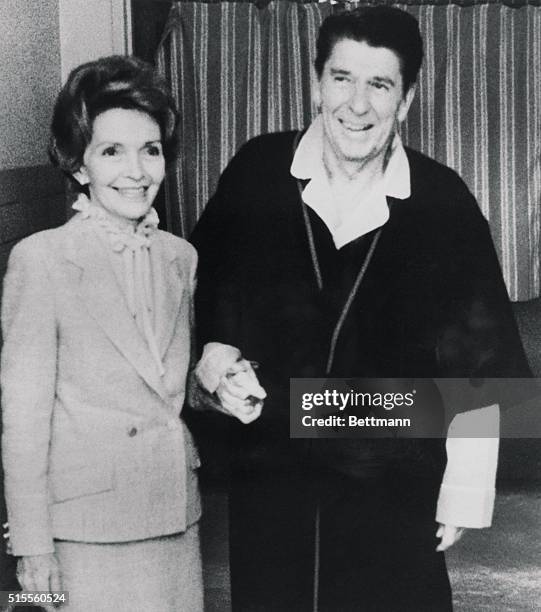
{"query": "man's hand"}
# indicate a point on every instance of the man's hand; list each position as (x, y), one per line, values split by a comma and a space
(39, 573)
(449, 535)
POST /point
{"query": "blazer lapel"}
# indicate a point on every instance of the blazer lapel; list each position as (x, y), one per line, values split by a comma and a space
(169, 287)
(104, 300)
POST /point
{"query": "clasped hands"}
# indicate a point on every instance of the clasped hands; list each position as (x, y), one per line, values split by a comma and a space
(224, 372)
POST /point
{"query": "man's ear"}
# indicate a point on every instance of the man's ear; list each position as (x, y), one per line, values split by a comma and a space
(406, 103)
(81, 176)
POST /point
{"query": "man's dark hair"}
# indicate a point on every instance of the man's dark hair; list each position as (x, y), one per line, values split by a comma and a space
(93, 88)
(378, 26)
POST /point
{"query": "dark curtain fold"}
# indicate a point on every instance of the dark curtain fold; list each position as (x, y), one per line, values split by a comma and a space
(238, 70)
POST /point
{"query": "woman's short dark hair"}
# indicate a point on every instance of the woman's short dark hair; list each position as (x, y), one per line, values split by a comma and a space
(93, 88)
(378, 26)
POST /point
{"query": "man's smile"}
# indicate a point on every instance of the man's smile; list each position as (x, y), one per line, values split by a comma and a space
(355, 127)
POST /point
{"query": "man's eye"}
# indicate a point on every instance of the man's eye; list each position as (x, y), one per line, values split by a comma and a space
(109, 151)
(341, 79)
(380, 85)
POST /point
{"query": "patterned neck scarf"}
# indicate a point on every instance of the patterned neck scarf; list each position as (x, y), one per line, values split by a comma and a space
(133, 244)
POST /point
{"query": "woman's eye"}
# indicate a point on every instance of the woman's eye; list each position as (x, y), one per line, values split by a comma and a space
(109, 151)
(154, 150)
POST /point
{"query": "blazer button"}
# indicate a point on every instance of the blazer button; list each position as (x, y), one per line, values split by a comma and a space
(132, 432)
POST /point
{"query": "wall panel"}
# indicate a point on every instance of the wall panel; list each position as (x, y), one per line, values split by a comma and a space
(31, 199)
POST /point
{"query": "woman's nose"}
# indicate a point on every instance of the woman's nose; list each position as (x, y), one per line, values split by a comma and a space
(134, 167)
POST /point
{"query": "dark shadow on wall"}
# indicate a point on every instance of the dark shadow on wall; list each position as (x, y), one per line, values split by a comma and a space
(148, 21)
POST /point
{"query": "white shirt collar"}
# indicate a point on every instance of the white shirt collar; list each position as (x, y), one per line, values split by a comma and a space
(308, 165)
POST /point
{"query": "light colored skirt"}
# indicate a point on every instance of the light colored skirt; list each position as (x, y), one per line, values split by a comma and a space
(146, 576)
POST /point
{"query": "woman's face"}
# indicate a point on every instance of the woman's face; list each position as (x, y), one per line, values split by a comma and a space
(123, 164)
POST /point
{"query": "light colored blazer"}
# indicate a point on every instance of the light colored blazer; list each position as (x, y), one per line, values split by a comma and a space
(93, 447)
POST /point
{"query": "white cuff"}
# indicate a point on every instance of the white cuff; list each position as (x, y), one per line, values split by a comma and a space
(468, 487)
(465, 506)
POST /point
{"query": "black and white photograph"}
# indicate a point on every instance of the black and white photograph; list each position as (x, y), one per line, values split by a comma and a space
(270, 305)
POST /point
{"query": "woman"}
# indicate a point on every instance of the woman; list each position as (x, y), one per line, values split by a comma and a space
(100, 477)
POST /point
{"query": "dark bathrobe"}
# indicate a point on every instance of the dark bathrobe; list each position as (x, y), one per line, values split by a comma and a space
(431, 304)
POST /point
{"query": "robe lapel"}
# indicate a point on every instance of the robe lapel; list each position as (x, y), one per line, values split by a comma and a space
(104, 300)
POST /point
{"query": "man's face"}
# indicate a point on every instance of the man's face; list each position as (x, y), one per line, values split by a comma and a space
(362, 101)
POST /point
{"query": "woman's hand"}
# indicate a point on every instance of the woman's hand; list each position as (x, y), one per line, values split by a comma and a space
(39, 573)
(222, 372)
(449, 535)
(240, 393)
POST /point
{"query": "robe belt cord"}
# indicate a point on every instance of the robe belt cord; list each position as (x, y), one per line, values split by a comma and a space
(349, 301)
(319, 277)
(310, 236)
(332, 348)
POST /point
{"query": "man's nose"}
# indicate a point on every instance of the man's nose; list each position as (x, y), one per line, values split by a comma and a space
(134, 167)
(359, 102)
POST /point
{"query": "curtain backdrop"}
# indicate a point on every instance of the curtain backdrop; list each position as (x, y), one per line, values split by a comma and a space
(237, 70)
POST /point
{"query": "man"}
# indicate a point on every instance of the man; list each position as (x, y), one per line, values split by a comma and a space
(338, 252)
